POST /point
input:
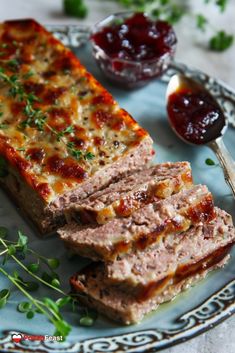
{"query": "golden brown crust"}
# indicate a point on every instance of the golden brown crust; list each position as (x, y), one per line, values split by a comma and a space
(68, 97)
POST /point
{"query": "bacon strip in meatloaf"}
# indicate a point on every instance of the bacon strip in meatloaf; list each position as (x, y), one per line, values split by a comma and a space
(54, 143)
(144, 273)
(124, 307)
(122, 198)
(143, 228)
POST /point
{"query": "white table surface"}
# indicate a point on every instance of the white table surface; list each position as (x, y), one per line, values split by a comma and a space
(191, 50)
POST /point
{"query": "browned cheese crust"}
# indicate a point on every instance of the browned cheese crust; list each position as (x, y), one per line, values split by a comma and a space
(62, 135)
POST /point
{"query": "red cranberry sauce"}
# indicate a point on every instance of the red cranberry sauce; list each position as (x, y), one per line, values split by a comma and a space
(195, 115)
(138, 38)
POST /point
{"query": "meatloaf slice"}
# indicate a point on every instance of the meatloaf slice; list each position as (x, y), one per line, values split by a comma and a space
(124, 307)
(143, 273)
(143, 228)
(72, 139)
(122, 198)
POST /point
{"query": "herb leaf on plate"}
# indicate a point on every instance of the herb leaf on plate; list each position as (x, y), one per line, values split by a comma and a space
(19, 252)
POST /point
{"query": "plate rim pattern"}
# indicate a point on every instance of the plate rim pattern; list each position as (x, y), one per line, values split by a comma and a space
(212, 311)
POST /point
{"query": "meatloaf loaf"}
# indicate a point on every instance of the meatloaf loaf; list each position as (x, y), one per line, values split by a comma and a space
(143, 273)
(124, 307)
(143, 228)
(62, 135)
(122, 198)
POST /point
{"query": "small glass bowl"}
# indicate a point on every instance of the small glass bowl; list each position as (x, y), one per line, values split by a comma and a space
(128, 73)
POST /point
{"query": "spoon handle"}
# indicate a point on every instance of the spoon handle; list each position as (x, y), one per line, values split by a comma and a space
(226, 161)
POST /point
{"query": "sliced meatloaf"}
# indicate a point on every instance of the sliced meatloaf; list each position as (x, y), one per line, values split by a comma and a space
(62, 134)
(124, 307)
(122, 198)
(143, 228)
(143, 273)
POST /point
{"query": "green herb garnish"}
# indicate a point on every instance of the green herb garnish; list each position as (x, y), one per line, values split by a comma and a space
(89, 156)
(209, 161)
(67, 130)
(18, 251)
(221, 41)
(21, 149)
(13, 63)
(75, 8)
(222, 4)
(35, 117)
(86, 321)
(4, 295)
(201, 22)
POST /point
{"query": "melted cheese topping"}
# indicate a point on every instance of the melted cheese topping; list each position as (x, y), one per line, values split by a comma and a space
(69, 96)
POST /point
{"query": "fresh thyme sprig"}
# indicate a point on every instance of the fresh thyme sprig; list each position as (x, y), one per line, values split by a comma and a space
(18, 250)
(47, 307)
(12, 249)
(36, 117)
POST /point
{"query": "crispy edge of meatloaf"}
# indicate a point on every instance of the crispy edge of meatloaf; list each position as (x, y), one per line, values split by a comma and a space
(121, 307)
(122, 198)
(145, 271)
(134, 159)
(28, 202)
(49, 217)
(76, 238)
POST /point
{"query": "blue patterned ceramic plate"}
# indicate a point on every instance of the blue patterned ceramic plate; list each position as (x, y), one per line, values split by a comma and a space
(192, 312)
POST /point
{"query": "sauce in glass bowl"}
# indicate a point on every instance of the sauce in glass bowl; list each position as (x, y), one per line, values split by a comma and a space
(132, 48)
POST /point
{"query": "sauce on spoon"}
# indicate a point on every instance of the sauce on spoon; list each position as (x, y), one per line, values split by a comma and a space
(197, 118)
(195, 115)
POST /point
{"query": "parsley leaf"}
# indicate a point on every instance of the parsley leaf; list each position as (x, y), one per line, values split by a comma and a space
(222, 4)
(221, 41)
(175, 14)
(209, 161)
(201, 22)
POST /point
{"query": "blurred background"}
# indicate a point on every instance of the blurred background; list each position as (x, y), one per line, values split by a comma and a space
(205, 28)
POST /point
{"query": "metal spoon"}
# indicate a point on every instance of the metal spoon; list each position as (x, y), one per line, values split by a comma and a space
(216, 143)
